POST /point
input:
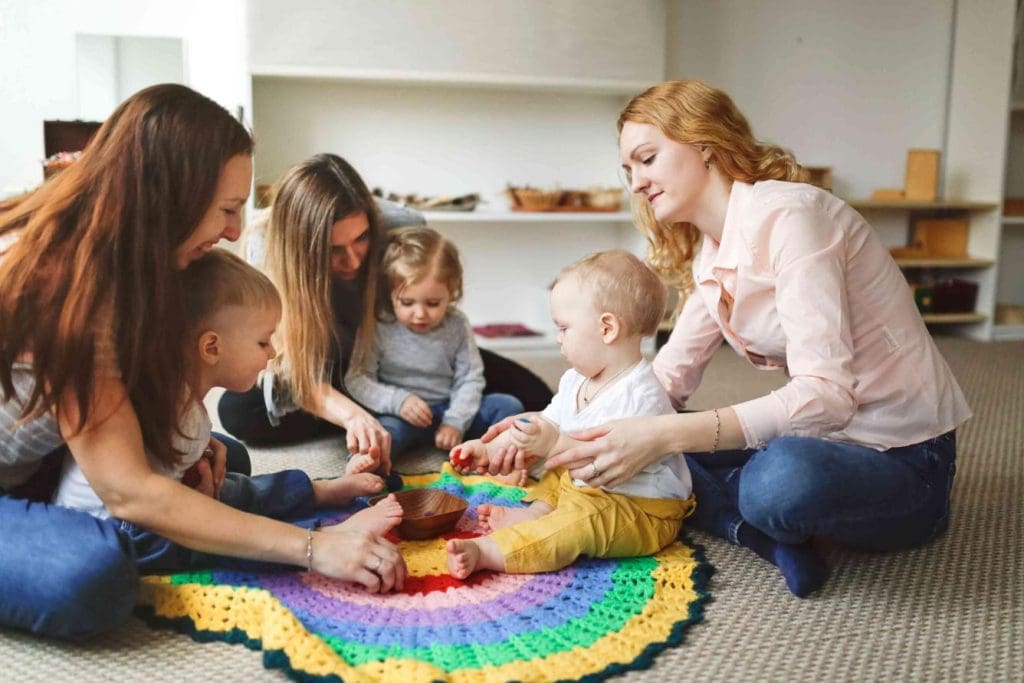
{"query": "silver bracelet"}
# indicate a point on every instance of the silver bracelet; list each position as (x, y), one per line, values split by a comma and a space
(309, 549)
(718, 431)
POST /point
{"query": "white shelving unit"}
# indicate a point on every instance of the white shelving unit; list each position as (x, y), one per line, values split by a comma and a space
(460, 79)
(527, 217)
(975, 146)
(1010, 280)
(432, 133)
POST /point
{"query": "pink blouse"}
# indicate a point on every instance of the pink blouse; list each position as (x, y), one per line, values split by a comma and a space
(801, 281)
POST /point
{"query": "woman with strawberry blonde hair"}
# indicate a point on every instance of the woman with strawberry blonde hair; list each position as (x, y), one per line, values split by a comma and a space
(859, 446)
(92, 365)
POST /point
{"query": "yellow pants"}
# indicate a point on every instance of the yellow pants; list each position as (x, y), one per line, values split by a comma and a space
(587, 521)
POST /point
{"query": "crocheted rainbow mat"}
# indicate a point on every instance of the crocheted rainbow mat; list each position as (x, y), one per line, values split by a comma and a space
(589, 621)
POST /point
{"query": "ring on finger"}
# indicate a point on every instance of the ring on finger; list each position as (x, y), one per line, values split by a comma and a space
(376, 567)
(595, 473)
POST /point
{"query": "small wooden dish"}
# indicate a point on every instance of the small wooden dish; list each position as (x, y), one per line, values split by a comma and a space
(426, 513)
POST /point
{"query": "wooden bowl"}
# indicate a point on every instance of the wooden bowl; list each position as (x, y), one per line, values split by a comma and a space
(426, 513)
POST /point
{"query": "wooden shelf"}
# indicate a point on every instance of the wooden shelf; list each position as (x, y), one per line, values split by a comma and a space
(527, 216)
(966, 262)
(917, 205)
(952, 318)
(595, 86)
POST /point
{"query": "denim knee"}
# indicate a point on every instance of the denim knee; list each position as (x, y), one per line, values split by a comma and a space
(775, 488)
(499, 406)
(88, 598)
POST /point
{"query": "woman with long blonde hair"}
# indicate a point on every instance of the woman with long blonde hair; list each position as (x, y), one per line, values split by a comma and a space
(859, 446)
(92, 367)
(322, 245)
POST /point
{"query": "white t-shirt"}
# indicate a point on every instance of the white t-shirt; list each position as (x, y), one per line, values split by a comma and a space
(638, 393)
(75, 492)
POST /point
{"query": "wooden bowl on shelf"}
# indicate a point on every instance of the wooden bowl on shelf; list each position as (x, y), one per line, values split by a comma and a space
(426, 513)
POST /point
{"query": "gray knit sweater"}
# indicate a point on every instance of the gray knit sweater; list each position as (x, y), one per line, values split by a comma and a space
(440, 365)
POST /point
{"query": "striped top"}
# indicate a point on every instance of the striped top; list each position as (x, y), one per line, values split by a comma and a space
(24, 445)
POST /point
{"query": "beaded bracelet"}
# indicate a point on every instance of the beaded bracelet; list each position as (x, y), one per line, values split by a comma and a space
(309, 549)
(718, 431)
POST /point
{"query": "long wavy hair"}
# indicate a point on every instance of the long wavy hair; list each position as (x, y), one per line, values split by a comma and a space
(100, 237)
(693, 112)
(310, 198)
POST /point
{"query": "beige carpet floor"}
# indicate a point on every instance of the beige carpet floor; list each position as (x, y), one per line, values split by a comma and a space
(951, 611)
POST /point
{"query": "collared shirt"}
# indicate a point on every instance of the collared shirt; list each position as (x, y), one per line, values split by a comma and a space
(800, 281)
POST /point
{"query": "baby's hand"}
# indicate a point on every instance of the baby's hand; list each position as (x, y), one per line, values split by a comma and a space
(416, 411)
(470, 456)
(531, 436)
(447, 437)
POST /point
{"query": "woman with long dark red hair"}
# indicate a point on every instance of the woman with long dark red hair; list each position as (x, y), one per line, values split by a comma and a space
(92, 361)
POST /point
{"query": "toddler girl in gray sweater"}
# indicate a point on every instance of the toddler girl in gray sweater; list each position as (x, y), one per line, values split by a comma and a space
(423, 376)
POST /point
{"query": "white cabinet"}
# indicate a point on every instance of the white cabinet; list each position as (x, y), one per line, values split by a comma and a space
(1010, 287)
(975, 148)
(415, 133)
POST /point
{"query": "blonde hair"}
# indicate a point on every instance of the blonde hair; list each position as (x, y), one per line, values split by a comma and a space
(412, 255)
(624, 286)
(309, 200)
(220, 279)
(692, 112)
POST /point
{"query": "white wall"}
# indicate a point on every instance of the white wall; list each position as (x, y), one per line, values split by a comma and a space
(851, 85)
(549, 38)
(37, 51)
(439, 140)
(146, 61)
(96, 72)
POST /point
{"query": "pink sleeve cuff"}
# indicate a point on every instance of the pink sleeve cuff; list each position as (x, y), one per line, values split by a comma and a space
(762, 419)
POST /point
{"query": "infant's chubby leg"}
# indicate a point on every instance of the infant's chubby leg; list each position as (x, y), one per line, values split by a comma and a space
(492, 517)
(466, 556)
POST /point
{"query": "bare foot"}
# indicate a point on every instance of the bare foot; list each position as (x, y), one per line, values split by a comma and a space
(377, 519)
(469, 555)
(492, 517)
(343, 490)
(514, 478)
(361, 462)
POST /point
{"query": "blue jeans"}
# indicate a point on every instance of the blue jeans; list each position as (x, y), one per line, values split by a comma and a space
(64, 573)
(405, 436)
(796, 488)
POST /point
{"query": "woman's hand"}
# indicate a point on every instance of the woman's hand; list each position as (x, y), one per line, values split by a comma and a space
(613, 453)
(416, 411)
(364, 434)
(360, 557)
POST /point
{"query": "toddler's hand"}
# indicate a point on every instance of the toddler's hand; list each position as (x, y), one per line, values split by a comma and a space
(218, 463)
(200, 477)
(416, 412)
(447, 437)
(468, 457)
